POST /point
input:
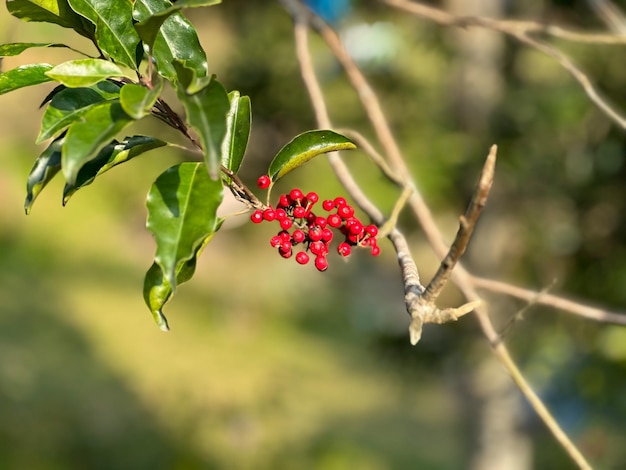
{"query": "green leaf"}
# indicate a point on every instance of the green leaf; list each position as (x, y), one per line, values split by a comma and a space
(69, 105)
(115, 34)
(148, 29)
(16, 48)
(176, 40)
(182, 213)
(84, 72)
(45, 168)
(25, 75)
(238, 121)
(50, 11)
(110, 156)
(137, 100)
(303, 148)
(157, 291)
(87, 136)
(206, 113)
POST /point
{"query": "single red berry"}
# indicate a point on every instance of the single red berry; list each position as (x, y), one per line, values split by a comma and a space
(257, 217)
(356, 228)
(312, 197)
(299, 212)
(296, 194)
(284, 201)
(345, 211)
(310, 218)
(285, 254)
(339, 201)
(275, 241)
(318, 248)
(285, 247)
(375, 250)
(328, 205)
(327, 235)
(321, 222)
(334, 220)
(298, 236)
(321, 263)
(372, 230)
(344, 249)
(263, 182)
(281, 214)
(315, 233)
(286, 224)
(285, 236)
(269, 214)
(302, 258)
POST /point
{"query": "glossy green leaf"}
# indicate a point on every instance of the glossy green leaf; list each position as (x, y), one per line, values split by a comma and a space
(16, 48)
(109, 157)
(148, 29)
(115, 34)
(238, 121)
(176, 39)
(137, 100)
(50, 11)
(157, 291)
(25, 75)
(69, 104)
(45, 168)
(182, 213)
(303, 148)
(206, 113)
(84, 72)
(86, 137)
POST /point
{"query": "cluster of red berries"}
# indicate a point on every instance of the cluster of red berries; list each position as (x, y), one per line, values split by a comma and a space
(301, 228)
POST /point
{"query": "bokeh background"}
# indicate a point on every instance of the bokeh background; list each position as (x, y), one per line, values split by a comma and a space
(274, 365)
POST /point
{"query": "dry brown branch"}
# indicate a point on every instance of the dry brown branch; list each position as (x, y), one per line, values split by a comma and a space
(551, 300)
(521, 30)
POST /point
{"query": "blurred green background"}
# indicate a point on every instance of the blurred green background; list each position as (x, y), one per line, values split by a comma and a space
(274, 365)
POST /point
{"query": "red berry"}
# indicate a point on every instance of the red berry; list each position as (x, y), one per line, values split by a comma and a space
(372, 230)
(285, 254)
(327, 235)
(328, 205)
(280, 214)
(318, 248)
(310, 218)
(296, 194)
(284, 236)
(269, 214)
(286, 224)
(345, 211)
(275, 241)
(315, 234)
(375, 250)
(284, 201)
(263, 182)
(299, 212)
(334, 220)
(257, 217)
(284, 247)
(321, 222)
(321, 263)
(339, 201)
(356, 228)
(312, 197)
(344, 249)
(298, 236)
(302, 258)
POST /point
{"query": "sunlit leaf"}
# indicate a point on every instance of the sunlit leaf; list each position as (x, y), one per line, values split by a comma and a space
(84, 72)
(115, 34)
(182, 212)
(206, 113)
(157, 291)
(84, 139)
(238, 121)
(69, 104)
(25, 75)
(110, 156)
(303, 148)
(16, 48)
(45, 168)
(137, 100)
(50, 11)
(177, 39)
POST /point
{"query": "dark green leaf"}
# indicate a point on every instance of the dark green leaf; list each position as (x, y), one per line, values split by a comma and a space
(157, 291)
(50, 11)
(137, 100)
(115, 34)
(206, 113)
(176, 40)
(69, 104)
(84, 139)
(110, 156)
(84, 72)
(182, 213)
(16, 48)
(45, 168)
(303, 148)
(238, 123)
(25, 75)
